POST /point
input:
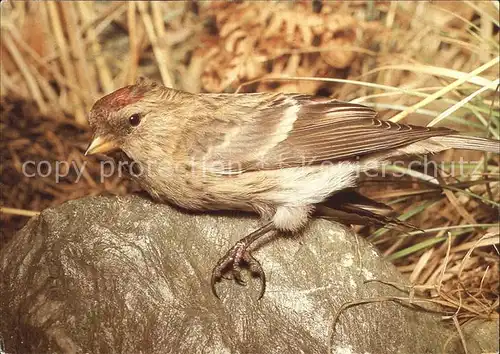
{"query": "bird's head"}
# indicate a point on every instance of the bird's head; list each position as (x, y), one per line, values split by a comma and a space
(127, 115)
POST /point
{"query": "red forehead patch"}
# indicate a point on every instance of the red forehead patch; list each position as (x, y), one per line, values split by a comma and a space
(118, 99)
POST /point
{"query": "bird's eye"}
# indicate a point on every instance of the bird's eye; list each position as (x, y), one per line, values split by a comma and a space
(134, 120)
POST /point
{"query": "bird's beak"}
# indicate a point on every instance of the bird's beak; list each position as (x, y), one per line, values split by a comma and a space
(101, 146)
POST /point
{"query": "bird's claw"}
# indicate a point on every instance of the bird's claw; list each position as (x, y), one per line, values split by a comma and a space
(232, 262)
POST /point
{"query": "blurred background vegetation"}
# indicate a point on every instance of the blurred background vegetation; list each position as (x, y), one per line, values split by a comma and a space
(425, 62)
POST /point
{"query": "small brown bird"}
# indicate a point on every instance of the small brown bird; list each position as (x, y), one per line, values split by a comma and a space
(283, 156)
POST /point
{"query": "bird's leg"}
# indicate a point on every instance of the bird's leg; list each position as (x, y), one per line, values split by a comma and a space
(238, 255)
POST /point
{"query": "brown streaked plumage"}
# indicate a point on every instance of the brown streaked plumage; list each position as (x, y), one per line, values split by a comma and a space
(279, 155)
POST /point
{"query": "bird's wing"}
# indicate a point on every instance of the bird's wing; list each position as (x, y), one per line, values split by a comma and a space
(286, 130)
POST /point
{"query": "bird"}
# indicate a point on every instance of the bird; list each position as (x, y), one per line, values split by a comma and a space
(283, 156)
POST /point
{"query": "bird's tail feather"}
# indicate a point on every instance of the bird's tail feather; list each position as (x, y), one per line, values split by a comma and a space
(362, 217)
(350, 207)
(469, 143)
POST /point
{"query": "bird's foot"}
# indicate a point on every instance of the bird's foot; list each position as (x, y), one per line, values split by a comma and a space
(238, 256)
(232, 262)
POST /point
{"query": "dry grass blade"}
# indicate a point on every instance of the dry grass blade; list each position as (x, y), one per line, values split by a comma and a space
(437, 71)
(444, 90)
(460, 333)
(460, 104)
(160, 54)
(21, 212)
(62, 45)
(25, 71)
(133, 43)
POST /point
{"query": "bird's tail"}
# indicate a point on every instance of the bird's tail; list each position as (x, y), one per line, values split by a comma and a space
(469, 143)
(440, 143)
(351, 208)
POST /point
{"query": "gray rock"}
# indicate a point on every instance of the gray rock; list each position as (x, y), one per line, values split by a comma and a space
(125, 275)
(480, 336)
